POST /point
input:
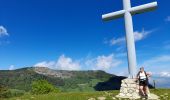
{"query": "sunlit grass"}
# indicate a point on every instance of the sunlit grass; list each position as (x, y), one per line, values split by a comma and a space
(164, 94)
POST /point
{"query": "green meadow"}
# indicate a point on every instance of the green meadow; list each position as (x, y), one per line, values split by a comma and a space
(164, 94)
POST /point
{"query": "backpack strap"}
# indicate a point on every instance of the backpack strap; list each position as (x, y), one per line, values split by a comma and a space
(146, 75)
(138, 76)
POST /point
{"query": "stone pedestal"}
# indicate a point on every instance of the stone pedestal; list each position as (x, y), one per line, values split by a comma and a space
(129, 89)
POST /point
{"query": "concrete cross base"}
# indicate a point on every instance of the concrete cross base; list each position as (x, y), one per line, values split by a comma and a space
(130, 89)
(153, 97)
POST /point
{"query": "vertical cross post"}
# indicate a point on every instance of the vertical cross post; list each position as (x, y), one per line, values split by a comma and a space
(130, 41)
(127, 13)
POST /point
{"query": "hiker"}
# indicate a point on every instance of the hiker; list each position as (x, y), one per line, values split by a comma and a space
(142, 77)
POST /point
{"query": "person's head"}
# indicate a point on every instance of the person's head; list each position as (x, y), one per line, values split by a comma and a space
(142, 69)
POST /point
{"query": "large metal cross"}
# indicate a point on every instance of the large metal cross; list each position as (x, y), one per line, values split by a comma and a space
(127, 13)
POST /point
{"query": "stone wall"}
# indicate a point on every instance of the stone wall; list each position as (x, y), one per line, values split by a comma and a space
(129, 89)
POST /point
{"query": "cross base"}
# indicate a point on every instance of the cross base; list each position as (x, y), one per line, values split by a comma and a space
(132, 76)
(130, 89)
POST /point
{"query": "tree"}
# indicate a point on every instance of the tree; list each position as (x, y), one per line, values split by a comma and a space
(43, 87)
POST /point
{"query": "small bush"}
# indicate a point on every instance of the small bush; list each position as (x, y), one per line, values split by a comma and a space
(7, 93)
(43, 87)
(4, 92)
(16, 92)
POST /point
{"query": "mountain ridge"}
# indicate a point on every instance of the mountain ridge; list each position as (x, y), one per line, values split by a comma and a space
(67, 81)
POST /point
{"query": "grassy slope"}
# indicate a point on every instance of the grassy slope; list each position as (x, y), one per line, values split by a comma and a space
(163, 93)
(79, 82)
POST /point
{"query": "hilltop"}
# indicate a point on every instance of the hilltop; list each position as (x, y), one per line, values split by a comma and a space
(90, 80)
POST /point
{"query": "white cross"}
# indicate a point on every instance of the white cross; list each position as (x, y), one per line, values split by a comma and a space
(127, 13)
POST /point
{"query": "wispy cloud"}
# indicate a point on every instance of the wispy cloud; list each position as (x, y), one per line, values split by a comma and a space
(158, 65)
(167, 47)
(167, 19)
(94, 63)
(11, 67)
(160, 74)
(3, 31)
(164, 74)
(103, 62)
(157, 60)
(4, 42)
(117, 41)
(63, 63)
(138, 35)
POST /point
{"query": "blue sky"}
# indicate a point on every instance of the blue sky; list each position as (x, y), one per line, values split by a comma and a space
(63, 34)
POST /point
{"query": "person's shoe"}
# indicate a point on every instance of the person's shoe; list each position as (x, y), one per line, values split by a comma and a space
(143, 96)
(146, 96)
(149, 95)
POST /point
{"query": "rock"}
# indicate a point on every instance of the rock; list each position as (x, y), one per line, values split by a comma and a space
(130, 89)
(153, 97)
(123, 85)
(32, 97)
(165, 93)
(101, 98)
(113, 98)
(91, 99)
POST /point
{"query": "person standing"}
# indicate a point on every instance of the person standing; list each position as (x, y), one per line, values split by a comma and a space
(142, 77)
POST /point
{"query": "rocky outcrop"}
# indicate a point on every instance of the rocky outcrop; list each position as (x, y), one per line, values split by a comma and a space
(54, 73)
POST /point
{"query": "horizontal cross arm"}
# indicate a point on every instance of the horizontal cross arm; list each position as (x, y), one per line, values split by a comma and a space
(113, 15)
(143, 8)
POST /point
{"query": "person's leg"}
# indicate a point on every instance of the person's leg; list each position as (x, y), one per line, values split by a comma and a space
(145, 89)
(147, 92)
(141, 90)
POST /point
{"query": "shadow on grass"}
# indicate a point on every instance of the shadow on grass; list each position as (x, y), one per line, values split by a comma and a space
(114, 83)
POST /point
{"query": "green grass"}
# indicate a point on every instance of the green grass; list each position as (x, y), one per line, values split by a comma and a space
(164, 94)
(65, 96)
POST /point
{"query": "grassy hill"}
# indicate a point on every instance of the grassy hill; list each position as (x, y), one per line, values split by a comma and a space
(67, 81)
(164, 94)
(74, 85)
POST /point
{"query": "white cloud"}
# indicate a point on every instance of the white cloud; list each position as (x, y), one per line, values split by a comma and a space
(165, 74)
(159, 65)
(167, 19)
(67, 63)
(141, 35)
(137, 36)
(117, 41)
(3, 31)
(95, 63)
(63, 63)
(103, 62)
(50, 64)
(123, 72)
(157, 60)
(11, 67)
